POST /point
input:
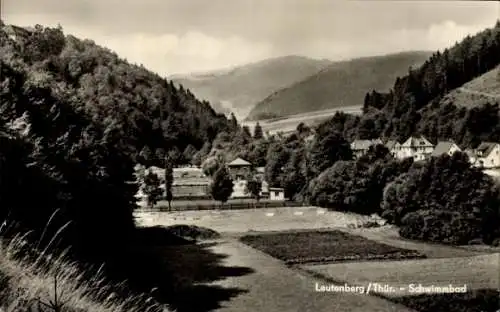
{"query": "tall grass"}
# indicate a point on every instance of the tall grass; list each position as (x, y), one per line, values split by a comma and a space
(39, 281)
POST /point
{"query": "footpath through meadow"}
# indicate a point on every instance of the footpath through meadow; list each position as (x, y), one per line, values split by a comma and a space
(274, 287)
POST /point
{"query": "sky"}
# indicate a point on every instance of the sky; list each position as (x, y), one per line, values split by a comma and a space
(183, 36)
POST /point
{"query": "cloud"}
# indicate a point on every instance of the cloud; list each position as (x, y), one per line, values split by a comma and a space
(193, 51)
(437, 36)
(165, 53)
(187, 46)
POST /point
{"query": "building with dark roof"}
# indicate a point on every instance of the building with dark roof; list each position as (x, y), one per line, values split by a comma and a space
(445, 147)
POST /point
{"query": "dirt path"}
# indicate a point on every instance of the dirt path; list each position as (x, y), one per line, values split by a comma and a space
(273, 287)
(465, 90)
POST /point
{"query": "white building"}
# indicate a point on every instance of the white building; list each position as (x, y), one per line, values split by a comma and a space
(419, 148)
(240, 189)
(488, 155)
(276, 193)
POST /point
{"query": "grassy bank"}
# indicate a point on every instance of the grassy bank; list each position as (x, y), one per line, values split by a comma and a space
(46, 283)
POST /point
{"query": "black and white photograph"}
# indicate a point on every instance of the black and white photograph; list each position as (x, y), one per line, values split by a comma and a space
(249, 156)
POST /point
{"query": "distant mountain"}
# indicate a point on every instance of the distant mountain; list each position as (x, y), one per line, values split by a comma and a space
(481, 90)
(241, 88)
(340, 84)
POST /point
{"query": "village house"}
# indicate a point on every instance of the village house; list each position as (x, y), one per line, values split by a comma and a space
(445, 147)
(239, 169)
(418, 148)
(393, 147)
(487, 155)
(360, 147)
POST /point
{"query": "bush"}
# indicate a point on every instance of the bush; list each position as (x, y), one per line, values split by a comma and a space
(444, 200)
(439, 226)
(193, 232)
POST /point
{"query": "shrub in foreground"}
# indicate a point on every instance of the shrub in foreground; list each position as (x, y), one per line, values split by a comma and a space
(49, 283)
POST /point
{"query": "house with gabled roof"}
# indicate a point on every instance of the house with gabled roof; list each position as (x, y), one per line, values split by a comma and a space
(445, 147)
(488, 155)
(418, 148)
(360, 147)
(240, 169)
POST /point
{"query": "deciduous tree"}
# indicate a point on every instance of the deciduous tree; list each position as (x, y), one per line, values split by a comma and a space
(222, 185)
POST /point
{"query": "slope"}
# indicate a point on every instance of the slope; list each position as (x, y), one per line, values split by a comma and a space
(239, 89)
(483, 89)
(74, 118)
(415, 104)
(341, 84)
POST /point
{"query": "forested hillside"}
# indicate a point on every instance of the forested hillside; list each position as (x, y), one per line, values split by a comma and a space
(74, 118)
(414, 105)
(240, 89)
(340, 84)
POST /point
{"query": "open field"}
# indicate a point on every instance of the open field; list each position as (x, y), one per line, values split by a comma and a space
(289, 123)
(262, 219)
(323, 247)
(252, 280)
(476, 272)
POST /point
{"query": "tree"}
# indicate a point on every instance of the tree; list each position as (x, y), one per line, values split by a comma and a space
(246, 131)
(233, 121)
(222, 185)
(152, 188)
(257, 132)
(211, 165)
(294, 180)
(303, 129)
(145, 155)
(254, 187)
(200, 156)
(174, 156)
(453, 201)
(189, 153)
(169, 181)
(327, 150)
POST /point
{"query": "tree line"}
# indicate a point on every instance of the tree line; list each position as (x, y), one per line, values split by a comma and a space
(414, 105)
(74, 120)
(420, 198)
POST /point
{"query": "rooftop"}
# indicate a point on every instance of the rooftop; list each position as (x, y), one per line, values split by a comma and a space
(362, 144)
(442, 148)
(417, 142)
(239, 162)
(486, 148)
(391, 144)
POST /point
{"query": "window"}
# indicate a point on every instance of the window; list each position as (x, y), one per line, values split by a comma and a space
(276, 194)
